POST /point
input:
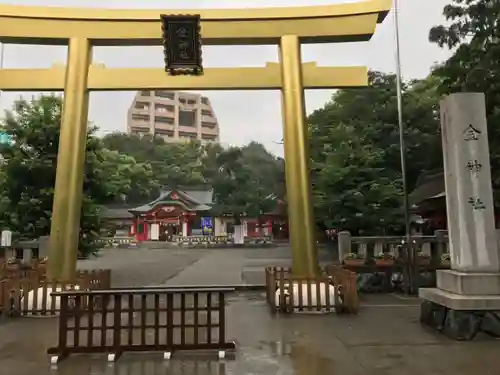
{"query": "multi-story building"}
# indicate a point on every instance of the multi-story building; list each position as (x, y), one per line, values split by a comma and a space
(174, 116)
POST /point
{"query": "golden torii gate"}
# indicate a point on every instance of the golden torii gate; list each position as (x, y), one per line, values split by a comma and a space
(81, 29)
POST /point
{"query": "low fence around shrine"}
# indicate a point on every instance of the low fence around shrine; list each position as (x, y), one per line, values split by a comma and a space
(225, 240)
(426, 249)
(28, 293)
(334, 289)
(164, 319)
(117, 242)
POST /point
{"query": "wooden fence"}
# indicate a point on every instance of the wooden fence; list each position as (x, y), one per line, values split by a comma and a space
(162, 319)
(348, 289)
(324, 293)
(29, 293)
(8, 271)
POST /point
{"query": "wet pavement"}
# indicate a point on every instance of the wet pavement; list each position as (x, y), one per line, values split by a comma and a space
(134, 267)
(384, 338)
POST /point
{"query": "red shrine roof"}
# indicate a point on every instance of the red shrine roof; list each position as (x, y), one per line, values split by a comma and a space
(192, 200)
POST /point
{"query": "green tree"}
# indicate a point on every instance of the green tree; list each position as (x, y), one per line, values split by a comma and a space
(268, 171)
(4, 200)
(350, 189)
(473, 34)
(245, 180)
(372, 112)
(30, 168)
(172, 164)
(129, 181)
(367, 119)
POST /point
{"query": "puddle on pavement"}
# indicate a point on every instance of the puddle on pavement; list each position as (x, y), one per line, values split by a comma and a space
(303, 359)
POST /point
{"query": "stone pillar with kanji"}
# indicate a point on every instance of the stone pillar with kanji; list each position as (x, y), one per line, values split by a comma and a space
(470, 290)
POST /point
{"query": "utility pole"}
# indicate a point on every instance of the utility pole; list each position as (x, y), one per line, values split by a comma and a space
(402, 149)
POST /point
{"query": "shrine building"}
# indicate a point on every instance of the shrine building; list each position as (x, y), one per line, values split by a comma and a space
(188, 212)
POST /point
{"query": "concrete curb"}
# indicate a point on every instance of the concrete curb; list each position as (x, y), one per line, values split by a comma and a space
(237, 288)
(249, 287)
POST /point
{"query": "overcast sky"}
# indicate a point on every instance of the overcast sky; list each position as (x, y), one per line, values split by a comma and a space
(243, 116)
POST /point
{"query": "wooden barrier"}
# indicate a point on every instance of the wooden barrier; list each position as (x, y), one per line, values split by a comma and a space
(9, 272)
(161, 319)
(30, 293)
(348, 286)
(4, 295)
(301, 293)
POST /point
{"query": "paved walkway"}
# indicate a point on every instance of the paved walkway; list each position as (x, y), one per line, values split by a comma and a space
(143, 267)
(227, 267)
(233, 267)
(217, 267)
(384, 339)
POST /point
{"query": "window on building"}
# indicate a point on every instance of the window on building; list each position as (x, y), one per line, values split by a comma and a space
(187, 118)
(145, 93)
(208, 137)
(164, 120)
(204, 100)
(140, 117)
(140, 128)
(139, 131)
(142, 105)
(209, 125)
(191, 102)
(163, 108)
(182, 100)
(165, 95)
(206, 112)
(185, 135)
(164, 132)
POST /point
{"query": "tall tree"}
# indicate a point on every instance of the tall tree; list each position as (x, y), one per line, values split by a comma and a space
(246, 181)
(173, 164)
(243, 178)
(136, 180)
(29, 172)
(473, 34)
(366, 120)
(350, 189)
(372, 112)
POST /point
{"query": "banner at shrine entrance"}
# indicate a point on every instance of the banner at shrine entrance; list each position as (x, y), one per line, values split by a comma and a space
(207, 225)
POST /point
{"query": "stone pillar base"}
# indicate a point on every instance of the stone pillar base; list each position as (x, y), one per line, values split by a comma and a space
(460, 302)
(467, 283)
(459, 316)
